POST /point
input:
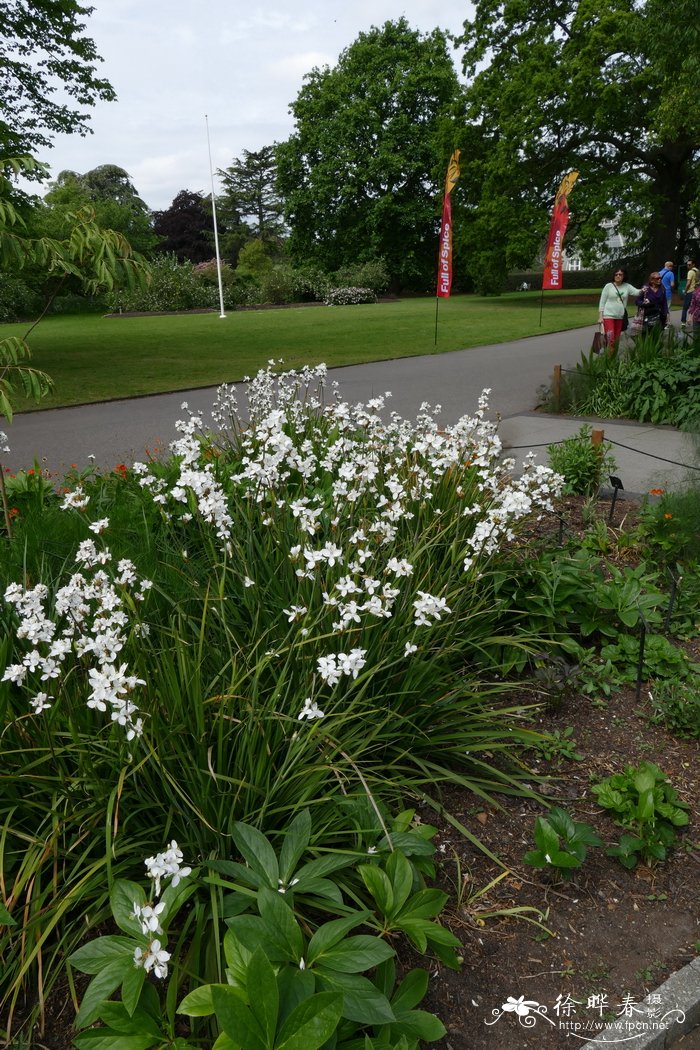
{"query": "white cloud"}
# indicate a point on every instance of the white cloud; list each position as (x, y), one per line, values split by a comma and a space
(171, 62)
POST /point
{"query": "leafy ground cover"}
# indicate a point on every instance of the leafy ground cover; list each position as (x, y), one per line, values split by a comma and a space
(101, 358)
(323, 671)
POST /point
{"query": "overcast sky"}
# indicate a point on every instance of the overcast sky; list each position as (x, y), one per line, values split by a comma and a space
(173, 61)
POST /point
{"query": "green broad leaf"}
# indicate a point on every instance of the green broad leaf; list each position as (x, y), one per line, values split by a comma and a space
(645, 778)
(5, 917)
(546, 837)
(237, 955)
(400, 875)
(236, 1019)
(425, 904)
(535, 858)
(131, 988)
(122, 899)
(296, 842)
(645, 805)
(362, 1002)
(258, 853)
(173, 897)
(560, 821)
(560, 859)
(357, 954)
(263, 995)
(415, 930)
(294, 986)
(182, 1044)
(277, 913)
(312, 1023)
(419, 1024)
(411, 991)
(199, 1003)
(237, 871)
(331, 933)
(94, 956)
(106, 1039)
(311, 887)
(225, 1042)
(253, 932)
(116, 1016)
(326, 865)
(378, 884)
(100, 988)
(411, 843)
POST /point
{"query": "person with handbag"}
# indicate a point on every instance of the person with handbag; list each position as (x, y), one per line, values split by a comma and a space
(612, 308)
(653, 303)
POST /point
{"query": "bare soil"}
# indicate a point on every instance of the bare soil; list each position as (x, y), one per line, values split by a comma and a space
(607, 931)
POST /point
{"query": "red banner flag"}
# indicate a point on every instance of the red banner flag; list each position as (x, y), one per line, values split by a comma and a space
(552, 276)
(444, 276)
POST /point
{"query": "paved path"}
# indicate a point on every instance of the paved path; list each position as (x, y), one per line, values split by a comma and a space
(120, 431)
(123, 431)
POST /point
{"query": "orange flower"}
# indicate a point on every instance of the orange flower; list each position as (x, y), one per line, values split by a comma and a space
(668, 516)
(121, 469)
(13, 512)
(656, 492)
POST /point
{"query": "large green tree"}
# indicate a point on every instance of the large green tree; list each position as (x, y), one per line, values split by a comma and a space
(250, 193)
(362, 174)
(606, 87)
(48, 75)
(111, 194)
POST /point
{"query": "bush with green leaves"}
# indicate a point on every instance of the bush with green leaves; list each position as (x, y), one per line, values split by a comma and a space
(307, 947)
(172, 286)
(648, 807)
(284, 612)
(675, 704)
(372, 274)
(18, 300)
(582, 464)
(561, 843)
(349, 296)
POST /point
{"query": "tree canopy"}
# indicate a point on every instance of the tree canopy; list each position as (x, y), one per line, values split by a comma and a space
(111, 194)
(362, 174)
(185, 228)
(250, 193)
(47, 74)
(605, 87)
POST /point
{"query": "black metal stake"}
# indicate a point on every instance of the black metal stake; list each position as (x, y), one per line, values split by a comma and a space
(671, 600)
(640, 664)
(616, 486)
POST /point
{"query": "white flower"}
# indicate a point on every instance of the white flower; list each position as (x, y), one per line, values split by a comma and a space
(410, 648)
(153, 958)
(247, 582)
(310, 710)
(99, 526)
(148, 916)
(41, 703)
(167, 865)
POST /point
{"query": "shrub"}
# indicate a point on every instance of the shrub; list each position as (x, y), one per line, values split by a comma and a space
(349, 296)
(676, 705)
(172, 286)
(372, 274)
(18, 302)
(581, 463)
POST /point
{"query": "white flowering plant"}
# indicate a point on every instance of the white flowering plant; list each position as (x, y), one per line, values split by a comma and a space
(323, 619)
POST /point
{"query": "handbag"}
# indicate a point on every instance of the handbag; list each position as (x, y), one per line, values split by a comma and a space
(625, 316)
(637, 323)
(599, 343)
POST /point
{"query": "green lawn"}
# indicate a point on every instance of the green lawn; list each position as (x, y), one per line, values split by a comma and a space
(94, 358)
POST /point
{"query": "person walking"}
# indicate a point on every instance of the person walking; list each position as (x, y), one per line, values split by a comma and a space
(668, 280)
(612, 308)
(693, 315)
(690, 286)
(654, 304)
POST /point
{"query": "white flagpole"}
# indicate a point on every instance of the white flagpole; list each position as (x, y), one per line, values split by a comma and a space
(216, 232)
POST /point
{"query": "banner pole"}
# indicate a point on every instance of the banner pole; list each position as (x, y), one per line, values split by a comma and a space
(437, 304)
(541, 305)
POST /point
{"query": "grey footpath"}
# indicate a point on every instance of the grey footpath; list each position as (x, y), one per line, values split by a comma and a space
(127, 430)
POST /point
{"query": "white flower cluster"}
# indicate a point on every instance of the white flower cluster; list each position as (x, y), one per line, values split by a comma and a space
(4, 442)
(194, 478)
(165, 865)
(91, 625)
